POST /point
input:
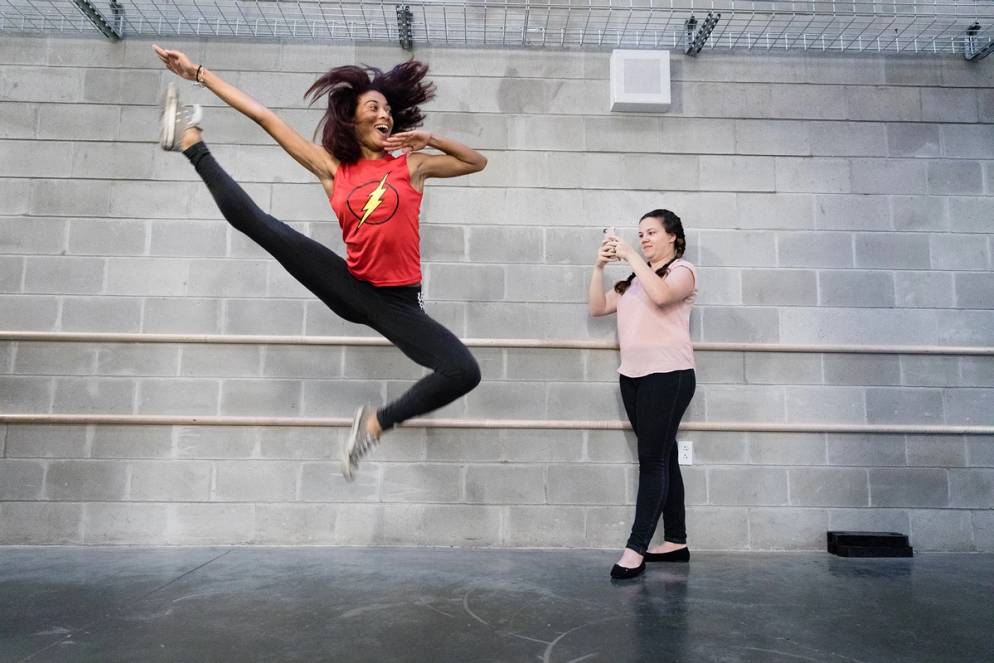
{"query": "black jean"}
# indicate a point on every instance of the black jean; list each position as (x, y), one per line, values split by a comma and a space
(655, 404)
(395, 312)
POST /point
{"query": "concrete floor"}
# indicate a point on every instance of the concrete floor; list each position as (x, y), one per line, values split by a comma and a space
(439, 605)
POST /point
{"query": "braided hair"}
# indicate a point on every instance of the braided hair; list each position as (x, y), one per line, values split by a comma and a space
(673, 226)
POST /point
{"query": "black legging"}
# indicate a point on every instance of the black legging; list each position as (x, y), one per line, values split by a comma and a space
(395, 312)
(655, 404)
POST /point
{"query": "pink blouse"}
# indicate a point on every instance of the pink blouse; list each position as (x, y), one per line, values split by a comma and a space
(656, 339)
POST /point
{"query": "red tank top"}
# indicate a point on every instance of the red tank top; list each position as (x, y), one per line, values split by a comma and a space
(378, 211)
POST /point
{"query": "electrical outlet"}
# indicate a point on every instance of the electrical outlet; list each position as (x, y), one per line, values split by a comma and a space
(685, 452)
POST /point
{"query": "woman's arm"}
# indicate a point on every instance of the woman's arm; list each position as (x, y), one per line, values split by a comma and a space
(311, 156)
(676, 287)
(457, 159)
(599, 302)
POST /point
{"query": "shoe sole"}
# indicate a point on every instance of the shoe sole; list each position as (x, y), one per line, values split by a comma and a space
(167, 130)
(349, 445)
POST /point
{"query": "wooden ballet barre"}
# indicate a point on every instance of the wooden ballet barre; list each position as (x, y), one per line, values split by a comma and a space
(557, 344)
(495, 424)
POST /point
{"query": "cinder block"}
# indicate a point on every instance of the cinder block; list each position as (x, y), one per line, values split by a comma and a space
(282, 361)
(132, 442)
(608, 527)
(511, 244)
(976, 372)
(63, 275)
(112, 160)
(971, 214)
(738, 173)
(610, 134)
(544, 526)
(176, 396)
(711, 528)
(170, 237)
(516, 446)
(30, 235)
(967, 328)
(862, 369)
(913, 140)
(901, 176)
(612, 446)
(826, 404)
(787, 529)
(169, 481)
(919, 213)
(812, 175)
(901, 104)
(29, 158)
(818, 102)
(975, 290)
(849, 212)
(908, 487)
(335, 398)
(958, 252)
(115, 523)
(779, 210)
(482, 132)
(745, 486)
(505, 484)
(556, 283)
(22, 480)
(282, 443)
(869, 520)
(814, 249)
(40, 523)
(434, 524)
(775, 138)
(786, 449)
(719, 367)
(941, 530)
(828, 487)
(18, 120)
(848, 139)
(741, 325)
(25, 394)
(778, 287)
(181, 315)
(856, 288)
(34, 441)
(738, 248)
(587, 484)
(966, 141)
(894, 326)
(891, 250)
(101, 314)
(256, 481)
(94, 395)
(323, 482)
(227, 278)
(857, 450)
(466, 282)
(211, 360)
(259, 398)
(55, 359)
(955, 177)
(263, 316)
(971, 488)
(717, 448)
(120, 86)
(86, 480)
(41, 84)
(204, 442)
(970, 406)
(296, 524)
(15, 196)
(783, 368)
(136, 200)
(924, 289)
(63, 197)
(137, 359)
(579, 400)
(904, 405)
(517, 401)
(147, 276)
(11, 271)
(983, 530)
(550, 365)
(206, 524)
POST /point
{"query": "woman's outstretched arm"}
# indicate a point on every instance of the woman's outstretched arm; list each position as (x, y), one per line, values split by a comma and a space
(457, 159)
(311, 156)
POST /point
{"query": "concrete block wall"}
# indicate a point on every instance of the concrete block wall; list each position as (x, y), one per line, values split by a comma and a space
(826, 199)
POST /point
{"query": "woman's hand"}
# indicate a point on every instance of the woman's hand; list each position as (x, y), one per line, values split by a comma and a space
(606, 253)
(177, 62)
(624, 251)
(408, 141)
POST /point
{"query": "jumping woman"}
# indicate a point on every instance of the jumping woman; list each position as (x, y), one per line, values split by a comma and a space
(377, 199)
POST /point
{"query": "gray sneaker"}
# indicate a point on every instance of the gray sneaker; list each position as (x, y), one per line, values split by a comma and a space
(358, 443)
(176, 119)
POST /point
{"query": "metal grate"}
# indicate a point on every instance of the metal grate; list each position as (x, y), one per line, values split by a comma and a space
(892, 27)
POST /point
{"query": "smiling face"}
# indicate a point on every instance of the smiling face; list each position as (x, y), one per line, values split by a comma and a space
(373, 121)
(657, 244)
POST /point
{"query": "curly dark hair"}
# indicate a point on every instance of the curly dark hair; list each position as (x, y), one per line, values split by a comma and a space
(403, 86)
(672, 225)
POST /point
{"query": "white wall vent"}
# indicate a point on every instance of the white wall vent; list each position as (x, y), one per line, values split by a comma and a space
(640, 81)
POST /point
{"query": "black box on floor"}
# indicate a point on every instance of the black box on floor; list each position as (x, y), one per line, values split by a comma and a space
(869, 544)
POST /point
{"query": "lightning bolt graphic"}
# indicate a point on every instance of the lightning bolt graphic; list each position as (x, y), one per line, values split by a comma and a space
(374, 200)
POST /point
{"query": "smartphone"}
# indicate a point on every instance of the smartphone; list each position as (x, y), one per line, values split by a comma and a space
(609, 231)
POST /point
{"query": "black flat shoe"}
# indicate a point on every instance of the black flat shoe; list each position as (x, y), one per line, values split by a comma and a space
(623, 573)
(680, 555)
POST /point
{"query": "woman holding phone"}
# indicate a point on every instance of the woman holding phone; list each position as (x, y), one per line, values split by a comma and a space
(656, 374)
